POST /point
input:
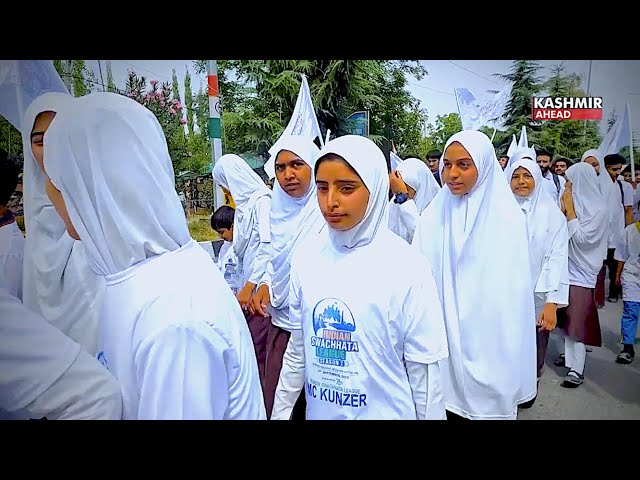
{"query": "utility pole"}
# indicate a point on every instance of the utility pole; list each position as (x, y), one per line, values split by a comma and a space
(215, 126)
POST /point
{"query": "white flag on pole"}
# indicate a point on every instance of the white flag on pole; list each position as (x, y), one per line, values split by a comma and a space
(21, 82)
(469, 109)
(475, 114)
(303, 122)
(618, 137)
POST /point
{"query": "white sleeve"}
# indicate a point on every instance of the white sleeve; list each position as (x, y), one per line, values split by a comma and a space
(627, 191)
(181, 374)
(11, 274)
(427, 390)
(292, 375)
(425, 338)
(408, 213)
(621, 253)
(558, 264)
(291, 381)
(45, 372)
(560, 296)
(86, 391)
(264, 253)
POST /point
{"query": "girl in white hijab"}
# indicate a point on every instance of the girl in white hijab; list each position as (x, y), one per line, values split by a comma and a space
(251, 232)
(170, 331)
(548, 240)
(367, 350)
(588, 221)
(475, 235)
(414, 186)
(294, 216)
(57, 282)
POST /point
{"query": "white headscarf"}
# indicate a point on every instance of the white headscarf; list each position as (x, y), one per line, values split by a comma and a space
(246, 187)
(291, 218)
(95, 152)
(477, 247)
(417, 175)
(593, 215)
(57, 282)
(367, 159)
(544, 221)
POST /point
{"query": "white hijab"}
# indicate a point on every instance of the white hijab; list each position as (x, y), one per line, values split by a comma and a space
(417, 175)
(476, 244)
(94, 154)
(544, 222)
(593, 215)
(368, 161)
(246, 187)
(57, 282)
(292, 219)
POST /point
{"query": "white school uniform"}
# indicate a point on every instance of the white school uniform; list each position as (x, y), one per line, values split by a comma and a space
(171, 330)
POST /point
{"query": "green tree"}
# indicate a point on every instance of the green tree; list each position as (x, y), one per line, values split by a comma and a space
(188, 102)
(10, 138)
(83, 78)
(569, 138)
(157, 98)
(445, 126)
(259, 96)
(111, 85)
(175, 86)
(525, 84)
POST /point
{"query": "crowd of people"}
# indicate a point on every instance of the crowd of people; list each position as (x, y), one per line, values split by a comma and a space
(344, 291)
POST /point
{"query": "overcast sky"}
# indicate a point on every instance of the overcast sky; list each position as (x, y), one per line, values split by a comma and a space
(614, 80)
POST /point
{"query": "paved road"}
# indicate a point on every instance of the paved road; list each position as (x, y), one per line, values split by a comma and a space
(610, 391)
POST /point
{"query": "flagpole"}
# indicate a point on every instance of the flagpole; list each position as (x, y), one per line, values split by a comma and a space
(494, 134)
(633, 168)
(584, 134)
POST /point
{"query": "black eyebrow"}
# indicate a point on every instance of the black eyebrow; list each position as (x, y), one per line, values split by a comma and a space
(33, 134)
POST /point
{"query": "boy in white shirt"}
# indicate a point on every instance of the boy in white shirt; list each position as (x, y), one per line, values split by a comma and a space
(627, 254)
(222, 222)
(11, 238)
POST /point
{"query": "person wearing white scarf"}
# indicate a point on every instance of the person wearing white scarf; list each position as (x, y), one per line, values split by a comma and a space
(251, 231)
(57, 282)
(361, 353)
(171, 330)
(414, 186)
(475, 235)
(548, 242)
(45, 374)
(294, 217)
(588, 220)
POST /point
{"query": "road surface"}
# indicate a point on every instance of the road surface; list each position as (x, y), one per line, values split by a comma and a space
(610, 391)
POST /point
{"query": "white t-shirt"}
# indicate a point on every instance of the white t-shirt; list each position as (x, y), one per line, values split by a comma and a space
(550, 186)
(258, 251)
(358, 334)
(617, 210)
(230, 267)
(628, 251)
(403, 218)
(175, 337)
(11, 258)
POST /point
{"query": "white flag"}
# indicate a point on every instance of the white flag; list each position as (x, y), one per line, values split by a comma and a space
(618, 137)
(475, 114)
(303, 122)
(469, 109)
(21, 82)
(523, 143)
(394, 161)
(512, 147)
(492, 111)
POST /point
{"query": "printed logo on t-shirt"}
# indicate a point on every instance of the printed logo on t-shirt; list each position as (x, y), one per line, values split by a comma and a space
(333, 376)
(333, 324)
